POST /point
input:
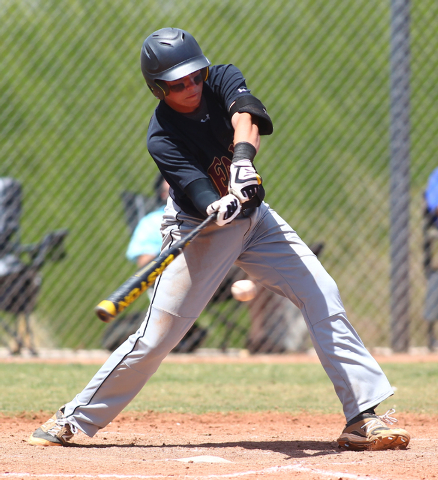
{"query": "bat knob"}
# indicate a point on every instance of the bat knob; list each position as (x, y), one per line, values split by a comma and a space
(106, 311)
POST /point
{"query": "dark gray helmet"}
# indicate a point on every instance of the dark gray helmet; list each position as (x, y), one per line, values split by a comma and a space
(169, 54)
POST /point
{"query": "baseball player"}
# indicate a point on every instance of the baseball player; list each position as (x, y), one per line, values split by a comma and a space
(204, 136)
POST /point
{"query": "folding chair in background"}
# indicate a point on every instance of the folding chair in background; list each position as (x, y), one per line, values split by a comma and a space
(20, 266)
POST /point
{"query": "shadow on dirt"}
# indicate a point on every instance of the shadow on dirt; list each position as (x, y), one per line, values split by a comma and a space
(292, 449)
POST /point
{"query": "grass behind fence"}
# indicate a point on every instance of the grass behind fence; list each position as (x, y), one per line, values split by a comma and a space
(201, 388)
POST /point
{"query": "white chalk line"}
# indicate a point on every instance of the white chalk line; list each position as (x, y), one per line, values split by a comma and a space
(277, 469)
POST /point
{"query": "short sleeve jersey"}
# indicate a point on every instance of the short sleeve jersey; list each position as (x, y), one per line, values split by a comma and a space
(431, 193)
(146, 239)
(187, 149)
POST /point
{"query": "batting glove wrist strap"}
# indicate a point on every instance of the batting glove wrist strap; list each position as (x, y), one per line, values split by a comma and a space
(244, 151)
(227, 209)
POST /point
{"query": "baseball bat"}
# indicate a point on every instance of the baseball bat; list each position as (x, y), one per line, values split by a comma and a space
(130, 290)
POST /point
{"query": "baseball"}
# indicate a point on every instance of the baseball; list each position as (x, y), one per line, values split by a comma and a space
(243, 290)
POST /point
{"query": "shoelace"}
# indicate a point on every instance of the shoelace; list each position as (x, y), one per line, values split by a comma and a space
(59, 424)
(371, 424)
(386, 417)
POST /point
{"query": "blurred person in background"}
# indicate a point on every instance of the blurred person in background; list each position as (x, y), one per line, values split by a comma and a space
(145, 242)
(430, 245)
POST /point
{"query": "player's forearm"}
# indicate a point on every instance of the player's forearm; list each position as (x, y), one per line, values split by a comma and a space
(246, 129)
(202, 194)
(244, 181)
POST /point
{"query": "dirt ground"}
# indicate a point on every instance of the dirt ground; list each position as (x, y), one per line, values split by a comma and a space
(222, 446)
(267, 445)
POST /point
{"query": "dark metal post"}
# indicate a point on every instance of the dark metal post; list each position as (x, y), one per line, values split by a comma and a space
(399, 166)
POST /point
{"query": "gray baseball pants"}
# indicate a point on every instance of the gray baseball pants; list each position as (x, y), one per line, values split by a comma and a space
(272, 253)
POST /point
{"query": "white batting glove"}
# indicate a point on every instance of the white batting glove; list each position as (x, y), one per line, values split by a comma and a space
(244, 180)
(227, 209)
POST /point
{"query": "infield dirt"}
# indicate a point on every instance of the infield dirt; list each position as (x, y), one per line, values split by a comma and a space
(261, 445)
(268, 445)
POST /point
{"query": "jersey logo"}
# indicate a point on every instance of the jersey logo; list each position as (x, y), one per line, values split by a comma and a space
(219, 172)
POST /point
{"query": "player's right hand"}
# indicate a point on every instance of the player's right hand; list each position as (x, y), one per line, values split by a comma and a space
(244, 180)
(227, 209)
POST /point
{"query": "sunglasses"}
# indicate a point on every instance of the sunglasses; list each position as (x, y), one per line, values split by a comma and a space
(180, 87)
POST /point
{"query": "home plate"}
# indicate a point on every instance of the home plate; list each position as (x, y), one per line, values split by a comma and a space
(203, 459)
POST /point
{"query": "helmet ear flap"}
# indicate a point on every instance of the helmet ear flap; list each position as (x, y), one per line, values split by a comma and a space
(154, 91)
(160, 90)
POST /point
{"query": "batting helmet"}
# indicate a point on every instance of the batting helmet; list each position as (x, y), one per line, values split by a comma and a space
(169, 54)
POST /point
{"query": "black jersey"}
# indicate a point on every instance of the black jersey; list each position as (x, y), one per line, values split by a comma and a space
(186, 148)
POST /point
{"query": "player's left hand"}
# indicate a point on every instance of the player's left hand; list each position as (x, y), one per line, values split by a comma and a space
(244, 180)
(227, 209)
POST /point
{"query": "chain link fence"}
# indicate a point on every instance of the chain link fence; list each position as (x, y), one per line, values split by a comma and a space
(74, 111)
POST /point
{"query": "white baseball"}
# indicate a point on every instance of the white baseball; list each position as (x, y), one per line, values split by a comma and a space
(243, 290)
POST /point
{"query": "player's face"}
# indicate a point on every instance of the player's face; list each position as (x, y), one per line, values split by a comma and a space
(185, 93)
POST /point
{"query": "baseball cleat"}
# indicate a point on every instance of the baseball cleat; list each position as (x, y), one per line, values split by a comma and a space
(56, 432)
(374, 433)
